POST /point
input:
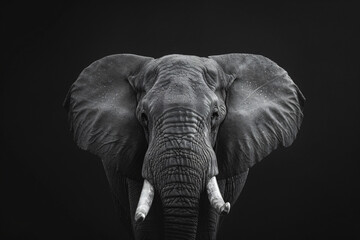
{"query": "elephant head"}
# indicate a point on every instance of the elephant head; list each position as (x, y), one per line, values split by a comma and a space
(180, 124)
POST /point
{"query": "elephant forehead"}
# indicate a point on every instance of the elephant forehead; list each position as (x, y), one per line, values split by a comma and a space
(180, 92)
(174, 69)
(178, 81)
(181, 70)
(180, 78)
(198, 70)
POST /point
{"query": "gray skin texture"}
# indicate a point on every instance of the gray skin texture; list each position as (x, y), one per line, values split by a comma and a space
(177, 121)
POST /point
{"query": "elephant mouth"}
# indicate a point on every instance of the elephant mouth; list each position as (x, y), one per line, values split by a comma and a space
(147, 195)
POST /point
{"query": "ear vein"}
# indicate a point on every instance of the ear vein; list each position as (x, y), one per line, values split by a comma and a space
(263, 85)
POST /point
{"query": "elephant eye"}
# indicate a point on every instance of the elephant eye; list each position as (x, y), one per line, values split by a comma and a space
(144, 119)
(214, 118)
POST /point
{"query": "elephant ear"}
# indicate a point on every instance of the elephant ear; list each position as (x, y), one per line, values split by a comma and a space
(101, 105)
(264, 111)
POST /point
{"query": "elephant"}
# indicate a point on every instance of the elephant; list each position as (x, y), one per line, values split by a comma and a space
(178, 134)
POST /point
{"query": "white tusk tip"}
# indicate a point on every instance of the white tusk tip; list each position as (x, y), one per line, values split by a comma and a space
(139, 217)
(225, 209)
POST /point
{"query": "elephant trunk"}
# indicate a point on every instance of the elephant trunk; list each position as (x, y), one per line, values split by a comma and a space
(179, 162)
(180, 180)
(180, 223)
(180, 196)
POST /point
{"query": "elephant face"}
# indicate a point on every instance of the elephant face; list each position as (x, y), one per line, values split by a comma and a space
(180, 106)
(179, 123)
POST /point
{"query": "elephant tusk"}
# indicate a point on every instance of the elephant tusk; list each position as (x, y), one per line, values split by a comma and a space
(215, 197)
(145, 201)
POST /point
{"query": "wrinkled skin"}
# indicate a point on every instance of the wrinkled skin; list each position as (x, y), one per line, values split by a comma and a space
(181, 114)
(177, 122)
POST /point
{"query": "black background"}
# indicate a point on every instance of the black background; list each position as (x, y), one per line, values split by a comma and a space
(52, 190)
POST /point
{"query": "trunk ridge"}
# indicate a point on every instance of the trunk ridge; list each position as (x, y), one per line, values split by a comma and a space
(181, 210)
(180, 189)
